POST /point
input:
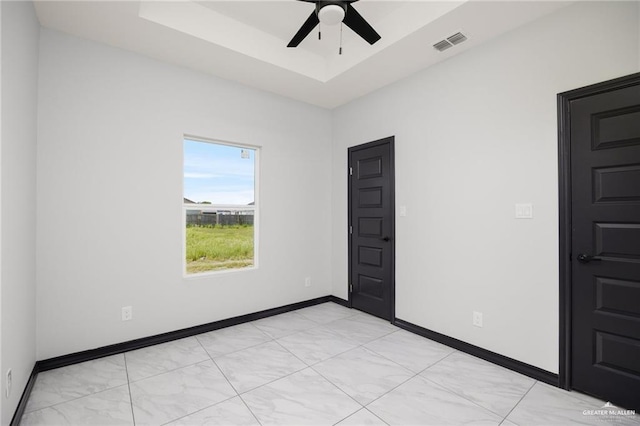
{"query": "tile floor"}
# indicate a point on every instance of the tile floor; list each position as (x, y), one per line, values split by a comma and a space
(322, 365)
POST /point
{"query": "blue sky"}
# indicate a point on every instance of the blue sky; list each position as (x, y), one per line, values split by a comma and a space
(217, 173)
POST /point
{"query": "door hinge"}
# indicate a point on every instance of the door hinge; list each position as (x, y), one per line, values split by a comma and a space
(350, 288)
(350, 171)
(350, 229)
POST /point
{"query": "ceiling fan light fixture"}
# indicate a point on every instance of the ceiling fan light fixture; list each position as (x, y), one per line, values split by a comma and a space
(331, 14)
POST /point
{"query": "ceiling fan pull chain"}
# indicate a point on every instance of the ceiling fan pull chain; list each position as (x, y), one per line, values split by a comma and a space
(319, 31)
(340, 50)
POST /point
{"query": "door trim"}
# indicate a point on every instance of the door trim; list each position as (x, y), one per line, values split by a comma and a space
(392, 174)
(565, 225)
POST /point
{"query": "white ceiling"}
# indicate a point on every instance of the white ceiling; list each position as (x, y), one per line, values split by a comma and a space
(245, 41)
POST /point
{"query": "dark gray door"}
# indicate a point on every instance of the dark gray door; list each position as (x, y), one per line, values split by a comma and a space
(605, 240)
(372, 228)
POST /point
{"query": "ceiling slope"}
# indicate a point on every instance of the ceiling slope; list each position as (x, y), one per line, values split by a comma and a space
(245, 41)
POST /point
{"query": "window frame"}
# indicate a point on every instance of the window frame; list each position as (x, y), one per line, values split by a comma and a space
(214, 207)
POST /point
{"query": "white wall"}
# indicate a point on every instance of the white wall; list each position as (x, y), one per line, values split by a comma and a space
(20, 30)
(109, 186)
(474, 136)
(110, 196)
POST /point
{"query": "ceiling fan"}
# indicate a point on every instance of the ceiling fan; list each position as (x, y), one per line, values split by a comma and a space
(333, 12)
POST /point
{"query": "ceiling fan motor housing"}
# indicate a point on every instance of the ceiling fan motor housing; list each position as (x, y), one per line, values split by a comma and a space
(331, 12)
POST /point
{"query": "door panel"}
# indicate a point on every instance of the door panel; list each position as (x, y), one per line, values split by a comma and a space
(612, 129)
(617, 353)
(371, 219)
(370, 197)
(617, 296)
(370, 256)
(616, 184)
(605, 241)
(618, 241)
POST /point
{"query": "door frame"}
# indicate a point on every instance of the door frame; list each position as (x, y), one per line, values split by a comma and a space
(390, 140)
(565, 225)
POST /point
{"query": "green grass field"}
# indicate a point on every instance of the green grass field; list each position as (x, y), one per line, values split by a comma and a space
(222, 247)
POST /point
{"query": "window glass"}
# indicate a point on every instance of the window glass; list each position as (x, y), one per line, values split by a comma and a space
(219, 206)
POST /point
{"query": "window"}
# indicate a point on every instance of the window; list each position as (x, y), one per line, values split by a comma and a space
(219, 206)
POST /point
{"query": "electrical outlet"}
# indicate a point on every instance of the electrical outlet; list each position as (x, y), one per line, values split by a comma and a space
(477, 319)
(127, 313)
(307, 282)
(8, 383)
(524, 211)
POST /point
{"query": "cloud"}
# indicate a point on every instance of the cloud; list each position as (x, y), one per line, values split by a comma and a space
(195, 175)
(241, 198)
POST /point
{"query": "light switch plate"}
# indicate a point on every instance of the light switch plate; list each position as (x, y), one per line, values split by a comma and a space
(524, 211)
(127, 313)
(402, 211)
(477, 319)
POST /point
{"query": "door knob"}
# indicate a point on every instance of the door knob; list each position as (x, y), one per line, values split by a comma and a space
(586, 258)
(385, 239)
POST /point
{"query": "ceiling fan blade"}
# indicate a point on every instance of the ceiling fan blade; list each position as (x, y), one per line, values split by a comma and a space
(304, 30)
(357, 23)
